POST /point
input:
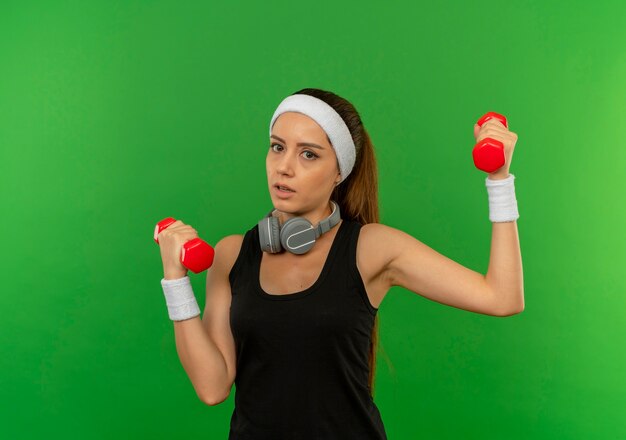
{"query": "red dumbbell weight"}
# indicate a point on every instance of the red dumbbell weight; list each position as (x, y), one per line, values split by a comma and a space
(196, 255)
(489, 153)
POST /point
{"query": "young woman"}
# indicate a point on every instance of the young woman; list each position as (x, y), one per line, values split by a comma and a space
(291, 305)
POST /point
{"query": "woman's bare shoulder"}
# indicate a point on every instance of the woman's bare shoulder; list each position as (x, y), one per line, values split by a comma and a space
(227, 249)
(230, 243)
(373, 255)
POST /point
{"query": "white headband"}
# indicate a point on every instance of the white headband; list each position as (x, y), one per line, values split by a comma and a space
(326, 116)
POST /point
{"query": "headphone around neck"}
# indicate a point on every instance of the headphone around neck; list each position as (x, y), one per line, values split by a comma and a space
(297, 235)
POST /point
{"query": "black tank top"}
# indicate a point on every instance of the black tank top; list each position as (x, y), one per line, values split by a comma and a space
(302, 358)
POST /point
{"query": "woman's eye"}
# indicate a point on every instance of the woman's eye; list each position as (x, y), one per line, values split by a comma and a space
(312, 156)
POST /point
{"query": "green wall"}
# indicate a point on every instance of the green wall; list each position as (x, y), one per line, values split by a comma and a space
(116, 114)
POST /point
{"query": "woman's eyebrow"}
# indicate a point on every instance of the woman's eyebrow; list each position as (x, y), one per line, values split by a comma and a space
(300, 144)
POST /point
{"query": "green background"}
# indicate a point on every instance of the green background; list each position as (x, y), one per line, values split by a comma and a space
(116, 114)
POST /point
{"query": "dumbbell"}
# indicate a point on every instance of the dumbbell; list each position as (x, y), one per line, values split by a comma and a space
(196, 255)
(489, 153)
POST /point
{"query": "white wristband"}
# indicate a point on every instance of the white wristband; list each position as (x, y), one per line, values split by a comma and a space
(502, 201)
(180, 300)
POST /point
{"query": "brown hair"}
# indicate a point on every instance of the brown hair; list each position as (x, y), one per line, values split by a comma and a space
(357, 195)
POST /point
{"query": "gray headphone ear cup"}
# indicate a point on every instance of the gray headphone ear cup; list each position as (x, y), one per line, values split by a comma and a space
(275, 235)
(269, 236)
(297, 235)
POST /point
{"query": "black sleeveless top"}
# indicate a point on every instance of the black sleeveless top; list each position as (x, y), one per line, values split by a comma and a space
(302, 358)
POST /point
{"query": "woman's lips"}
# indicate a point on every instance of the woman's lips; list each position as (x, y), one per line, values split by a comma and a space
(283, 194)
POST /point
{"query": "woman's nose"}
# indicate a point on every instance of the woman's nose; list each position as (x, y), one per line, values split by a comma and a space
(285, 164)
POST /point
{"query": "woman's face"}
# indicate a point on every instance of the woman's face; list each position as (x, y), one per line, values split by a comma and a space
(301, 157)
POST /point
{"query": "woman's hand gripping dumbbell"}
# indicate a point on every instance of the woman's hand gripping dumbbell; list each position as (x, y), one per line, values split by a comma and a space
(494, 145)
(181, 249)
